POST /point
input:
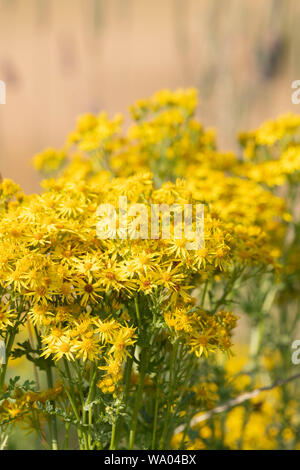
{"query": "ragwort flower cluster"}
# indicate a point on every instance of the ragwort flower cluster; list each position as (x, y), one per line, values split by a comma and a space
(126, 323)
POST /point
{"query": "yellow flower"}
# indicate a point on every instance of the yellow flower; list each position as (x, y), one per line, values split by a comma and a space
(88, 347)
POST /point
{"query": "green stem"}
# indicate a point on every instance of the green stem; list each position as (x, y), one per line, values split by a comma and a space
(155, 413)
(137, 310)
(80, 382)
(52, 418)
(89, 400)
(71, 396)
(128, 370)
(66, 442)
(170, 396)
(204, 293)
(113, 436)
(53, 423)
(127, 377)
(138, 398)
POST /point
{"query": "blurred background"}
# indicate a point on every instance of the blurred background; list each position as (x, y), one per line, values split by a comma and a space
(60, 58)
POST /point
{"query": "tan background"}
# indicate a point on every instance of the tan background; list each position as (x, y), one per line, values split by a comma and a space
(60, 58)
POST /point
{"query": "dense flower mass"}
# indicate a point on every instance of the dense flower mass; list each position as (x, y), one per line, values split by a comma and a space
(130, 325)
(278, 139)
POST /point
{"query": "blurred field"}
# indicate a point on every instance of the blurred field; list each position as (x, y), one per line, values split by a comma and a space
(63, 58)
